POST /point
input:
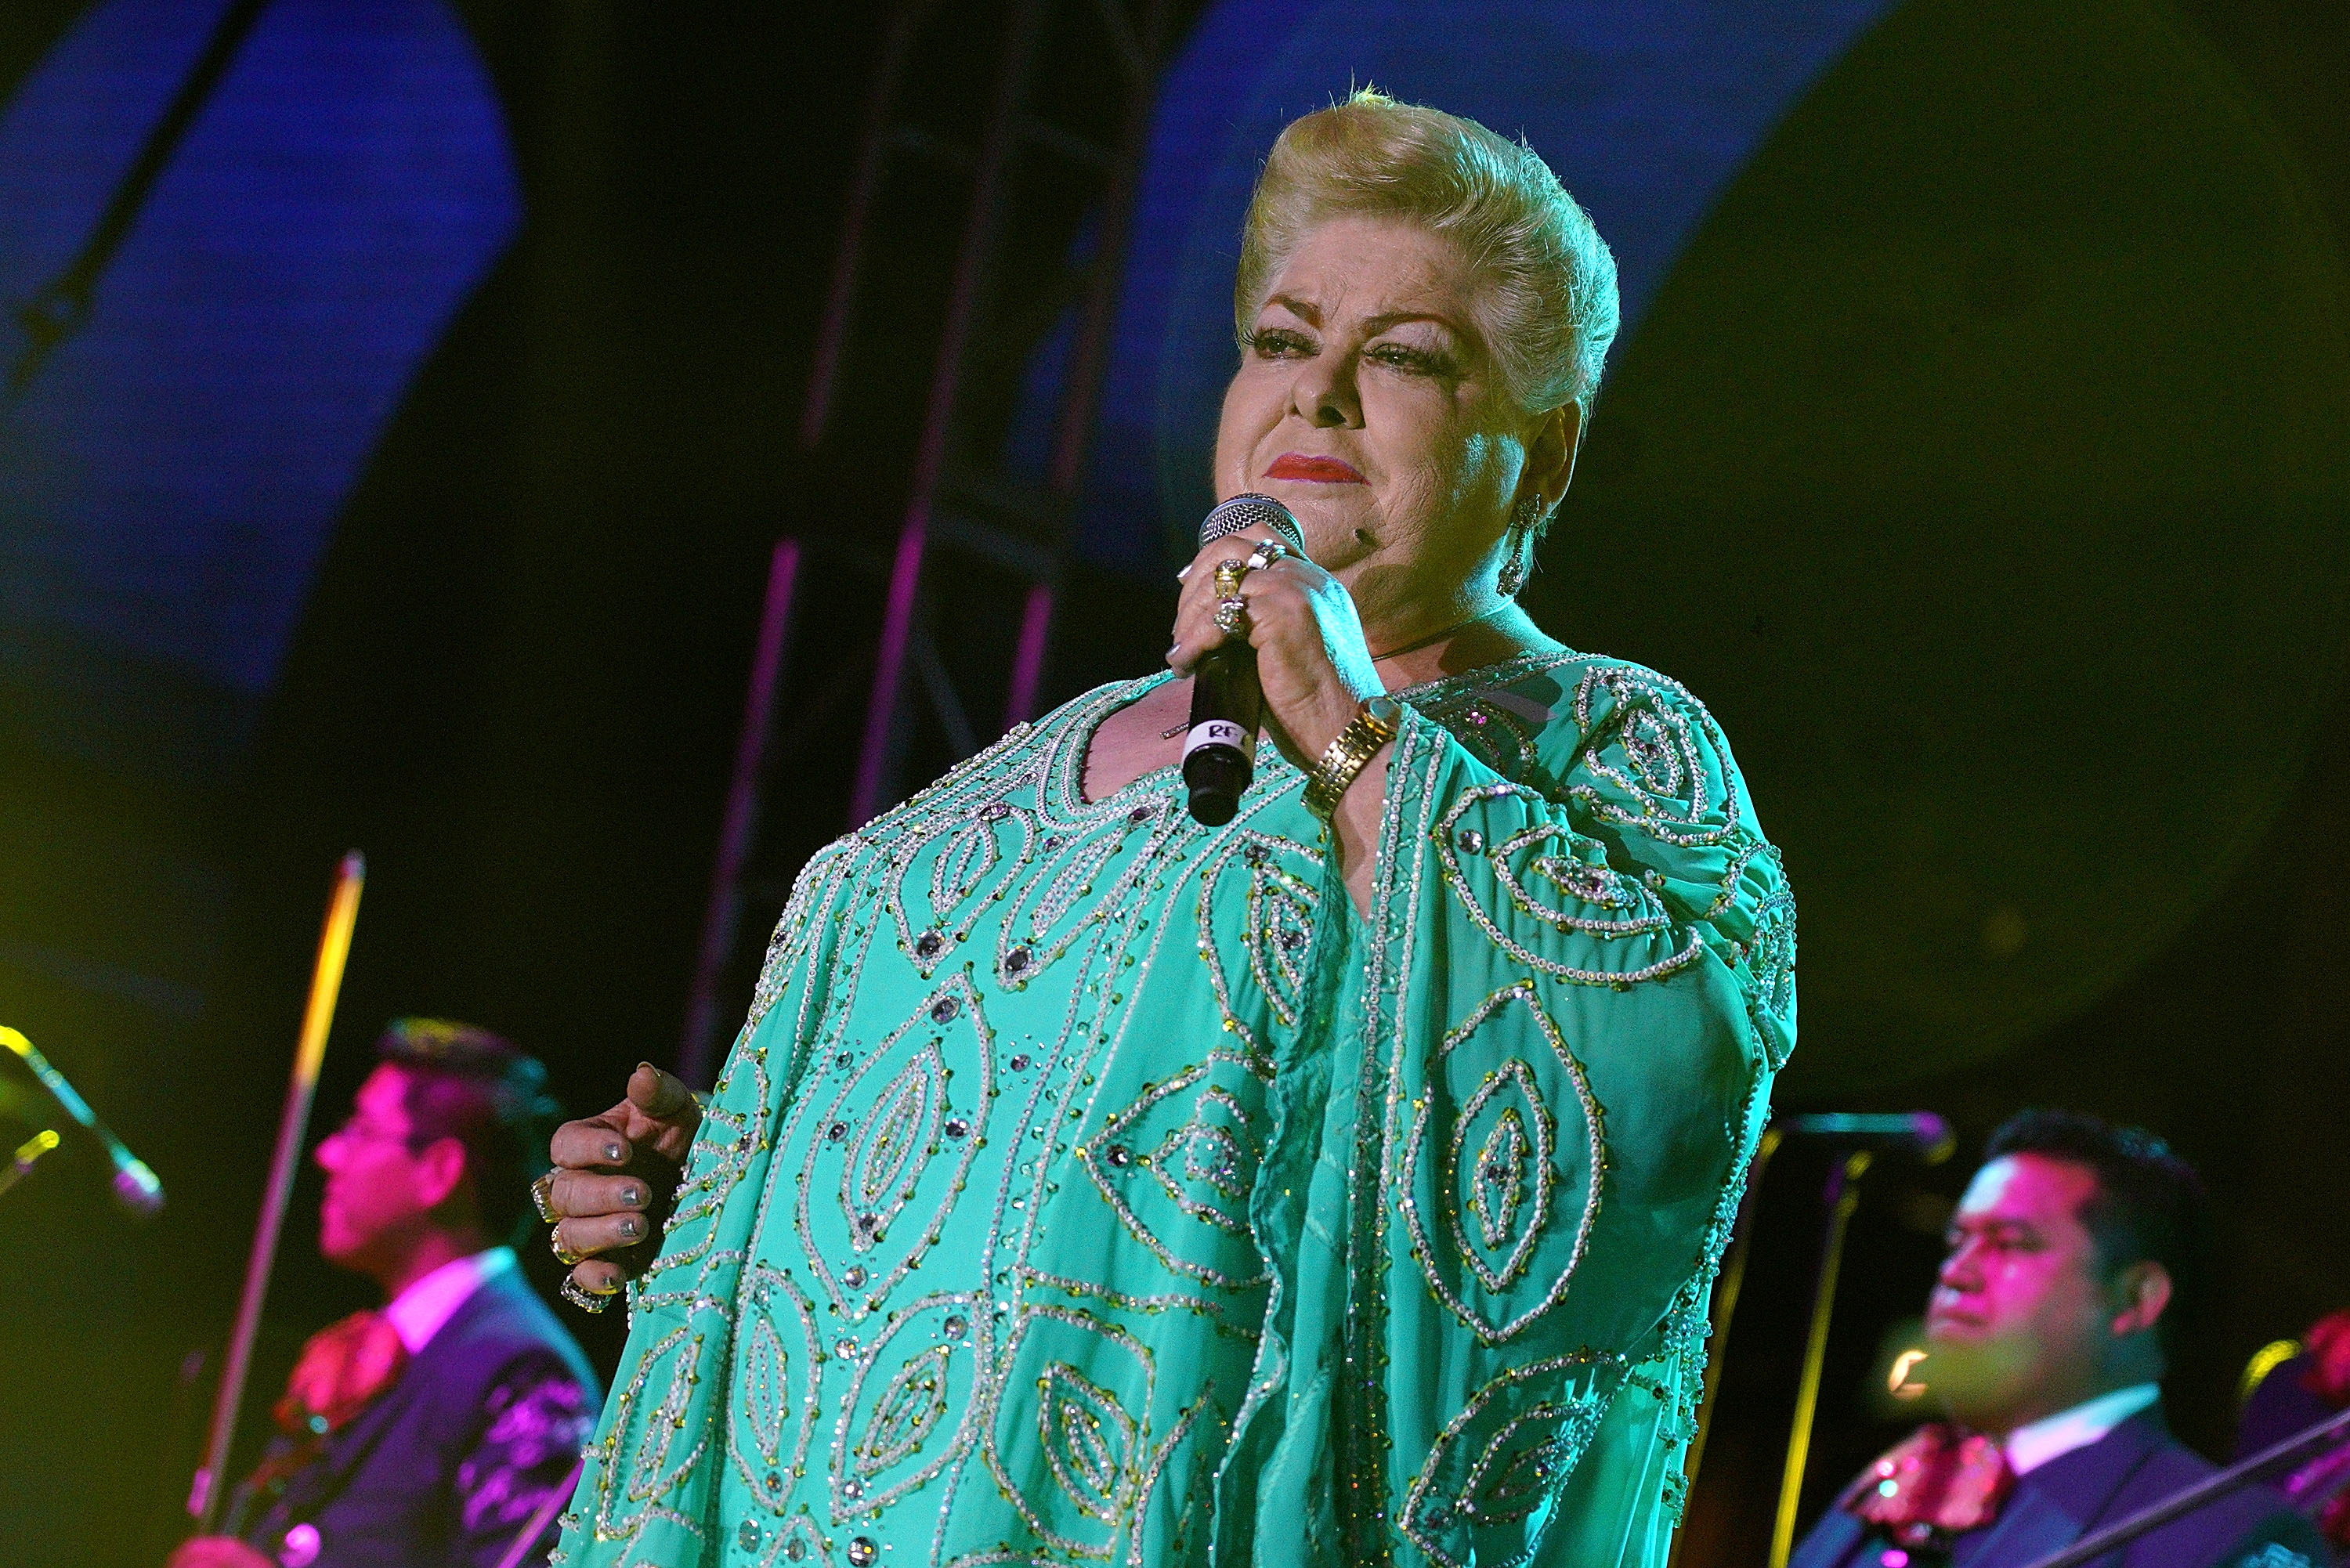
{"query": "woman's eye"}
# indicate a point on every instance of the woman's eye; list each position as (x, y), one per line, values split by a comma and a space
(1275, 343)
(1413, 361)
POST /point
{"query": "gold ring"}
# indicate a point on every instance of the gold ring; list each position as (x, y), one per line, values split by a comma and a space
(1231, 617)
(1227, 577)
(542, 1197)
(585, 1301)
(569, 1259)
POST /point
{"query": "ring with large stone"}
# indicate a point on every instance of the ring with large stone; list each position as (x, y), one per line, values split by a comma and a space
(542, 1197)
(1229, 575)
(1265, 555)
(1231, 616)
(585, 1301)
(569, 1259)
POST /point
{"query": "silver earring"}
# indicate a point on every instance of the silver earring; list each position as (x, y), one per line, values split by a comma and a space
(1522, 523)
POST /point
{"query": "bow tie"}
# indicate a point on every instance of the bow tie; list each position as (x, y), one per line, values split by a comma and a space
(342, 1368)
(1939, 1482)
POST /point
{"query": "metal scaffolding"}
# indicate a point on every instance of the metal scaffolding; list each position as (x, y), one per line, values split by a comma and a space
(963, 510)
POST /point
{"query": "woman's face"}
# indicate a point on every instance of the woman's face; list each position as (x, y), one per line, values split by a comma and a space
(1367, 403)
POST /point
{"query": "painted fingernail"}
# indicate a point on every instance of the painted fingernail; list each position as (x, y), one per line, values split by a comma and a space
(630, 1225)
(633, 1196)
(646, 1067)
(612, 1153)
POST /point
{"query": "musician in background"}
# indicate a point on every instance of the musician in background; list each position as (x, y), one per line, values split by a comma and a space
(2070, 1257)
(2289, 1400)
(431, 1431)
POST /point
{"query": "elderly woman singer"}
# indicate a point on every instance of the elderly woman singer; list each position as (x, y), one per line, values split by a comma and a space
(1343, 1184)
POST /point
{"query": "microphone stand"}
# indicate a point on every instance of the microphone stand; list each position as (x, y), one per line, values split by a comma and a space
(1918, 1132)
(2215, 1485)
(135, 1187)
(1841, 1196)
(1930, 1137)
(206, 1496)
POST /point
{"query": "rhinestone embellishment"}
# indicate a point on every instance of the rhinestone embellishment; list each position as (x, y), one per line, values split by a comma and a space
(1118, 1155)
(1472, 842)
(796, 1549)
(994, 811)
(928, 944)
(748, 1535)
(1020, 1063)
(853, 1277)
(1016, 962)
(853, 1490)
(944, 1012)
(955, 1327)
(863, 1553)
(835, 1132)
(956, 1128)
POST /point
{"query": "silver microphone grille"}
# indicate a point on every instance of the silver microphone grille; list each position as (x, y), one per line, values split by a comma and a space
(1248, 511)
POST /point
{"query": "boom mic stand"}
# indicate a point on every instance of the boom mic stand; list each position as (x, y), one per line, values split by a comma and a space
(1861, 1135)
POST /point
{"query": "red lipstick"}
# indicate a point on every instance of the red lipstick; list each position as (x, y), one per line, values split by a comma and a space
(1313, 469)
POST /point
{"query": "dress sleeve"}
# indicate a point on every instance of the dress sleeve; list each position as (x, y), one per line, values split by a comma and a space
(534, 1418)
(1581, 986)
(1623, 848)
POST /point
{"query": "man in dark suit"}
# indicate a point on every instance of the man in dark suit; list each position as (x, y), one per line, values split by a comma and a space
(2044, 1339)
(432, 1431)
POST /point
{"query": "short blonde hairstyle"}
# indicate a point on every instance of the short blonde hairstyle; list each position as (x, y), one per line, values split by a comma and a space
(1548, 308)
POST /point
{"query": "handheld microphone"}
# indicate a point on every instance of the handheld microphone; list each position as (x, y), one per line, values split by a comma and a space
(1227, 704)
(135, 1187)
(1923, 1133)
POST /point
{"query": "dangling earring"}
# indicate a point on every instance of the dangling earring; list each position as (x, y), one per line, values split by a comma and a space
(1522, 523)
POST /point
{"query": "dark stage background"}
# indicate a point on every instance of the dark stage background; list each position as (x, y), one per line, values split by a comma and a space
(1976, 447)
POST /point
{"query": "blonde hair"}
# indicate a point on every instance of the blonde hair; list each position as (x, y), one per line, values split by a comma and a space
(1548, 308)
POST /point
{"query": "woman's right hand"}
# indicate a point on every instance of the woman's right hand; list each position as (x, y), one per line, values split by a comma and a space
(614, 1175)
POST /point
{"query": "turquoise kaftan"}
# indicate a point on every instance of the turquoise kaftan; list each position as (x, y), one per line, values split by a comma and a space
(1091, 1186)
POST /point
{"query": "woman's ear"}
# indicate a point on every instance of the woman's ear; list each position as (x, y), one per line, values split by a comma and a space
(1550, 455)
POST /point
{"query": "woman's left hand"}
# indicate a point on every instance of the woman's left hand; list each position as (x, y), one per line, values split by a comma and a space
(1311, 658)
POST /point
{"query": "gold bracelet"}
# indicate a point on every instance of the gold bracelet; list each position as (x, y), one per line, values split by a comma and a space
(1348, 755)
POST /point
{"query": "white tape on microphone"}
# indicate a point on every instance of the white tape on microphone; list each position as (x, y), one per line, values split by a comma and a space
(1220, 733)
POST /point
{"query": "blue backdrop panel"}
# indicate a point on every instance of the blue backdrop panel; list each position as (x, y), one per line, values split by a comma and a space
(170, 477)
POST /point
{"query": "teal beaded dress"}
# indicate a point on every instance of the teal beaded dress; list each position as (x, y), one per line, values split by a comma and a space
(1090, 1187)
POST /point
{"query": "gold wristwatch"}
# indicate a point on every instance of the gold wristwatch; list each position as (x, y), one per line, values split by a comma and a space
(1375, 725)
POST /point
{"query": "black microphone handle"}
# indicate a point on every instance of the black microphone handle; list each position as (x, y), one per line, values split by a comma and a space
(1220, 750)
